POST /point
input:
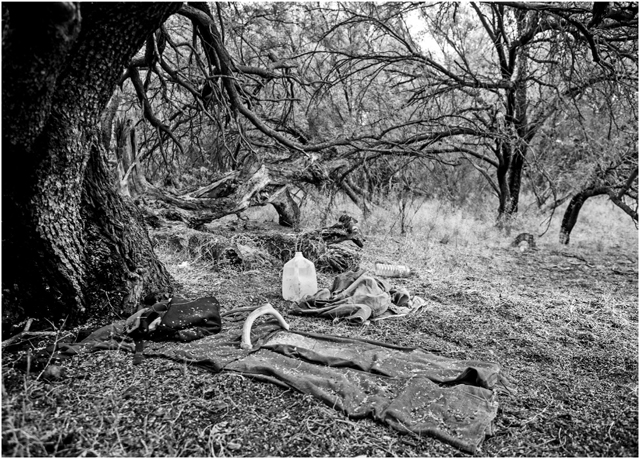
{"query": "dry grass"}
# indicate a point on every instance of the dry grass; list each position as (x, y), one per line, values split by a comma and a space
(562, 321)
(601, 225)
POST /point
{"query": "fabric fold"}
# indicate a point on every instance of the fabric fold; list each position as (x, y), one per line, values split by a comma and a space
(357, 296)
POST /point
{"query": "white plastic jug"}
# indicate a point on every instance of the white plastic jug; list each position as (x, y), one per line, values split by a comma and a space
(298, 278)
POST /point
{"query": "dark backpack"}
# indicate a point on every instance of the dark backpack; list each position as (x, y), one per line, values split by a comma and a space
(175, 320)
(187, 320)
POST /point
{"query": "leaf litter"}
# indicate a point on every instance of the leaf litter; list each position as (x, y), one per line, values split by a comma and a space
(562, 322)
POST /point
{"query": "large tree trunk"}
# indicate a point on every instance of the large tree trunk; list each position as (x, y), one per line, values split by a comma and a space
(71, 245)
(118, 251)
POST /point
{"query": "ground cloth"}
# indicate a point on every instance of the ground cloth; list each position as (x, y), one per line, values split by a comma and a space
(406, 388)
(358, 296)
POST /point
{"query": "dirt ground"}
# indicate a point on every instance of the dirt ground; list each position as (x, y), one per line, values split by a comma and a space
(563, 323)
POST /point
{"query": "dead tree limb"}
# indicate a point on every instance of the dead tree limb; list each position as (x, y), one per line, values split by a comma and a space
(236, 191)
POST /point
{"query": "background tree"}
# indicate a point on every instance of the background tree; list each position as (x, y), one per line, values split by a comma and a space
(586, 149)
(482, 80)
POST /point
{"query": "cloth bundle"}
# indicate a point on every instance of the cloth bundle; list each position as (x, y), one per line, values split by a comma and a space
(176, 319)
(357, 296)
(187, 320)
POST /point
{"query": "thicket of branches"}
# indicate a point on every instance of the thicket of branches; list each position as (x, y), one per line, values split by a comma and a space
(377, 98)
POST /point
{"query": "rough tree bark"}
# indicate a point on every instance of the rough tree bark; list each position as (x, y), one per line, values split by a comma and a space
(71, 245)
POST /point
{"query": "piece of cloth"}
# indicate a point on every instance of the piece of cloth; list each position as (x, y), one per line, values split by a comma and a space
(408, 389)
(109, 337)
(357, 296)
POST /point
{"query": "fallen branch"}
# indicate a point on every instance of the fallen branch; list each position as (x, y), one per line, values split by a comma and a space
(248, 246)
(26, 335)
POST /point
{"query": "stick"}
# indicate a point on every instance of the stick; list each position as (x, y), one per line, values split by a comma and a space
(22, 334)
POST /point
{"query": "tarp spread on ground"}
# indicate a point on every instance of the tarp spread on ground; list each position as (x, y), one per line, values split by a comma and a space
(357, 296)
(408, 389)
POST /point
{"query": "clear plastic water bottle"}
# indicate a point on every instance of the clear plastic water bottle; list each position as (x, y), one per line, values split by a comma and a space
(385, 270)
(298, 278)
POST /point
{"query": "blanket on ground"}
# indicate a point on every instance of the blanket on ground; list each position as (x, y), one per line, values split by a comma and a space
(357, 296)
(407, 388)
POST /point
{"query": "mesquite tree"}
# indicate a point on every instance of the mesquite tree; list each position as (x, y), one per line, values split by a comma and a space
(354, 90)
(480, 80)
(71, 244)
(618, 180)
